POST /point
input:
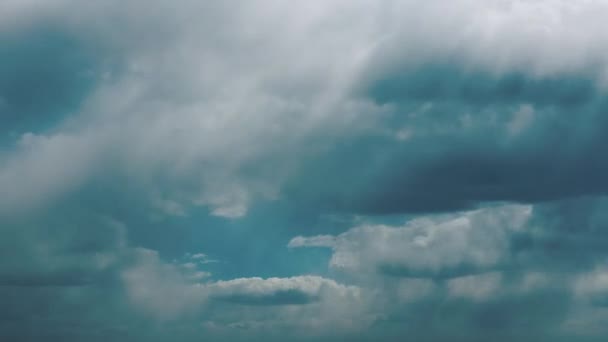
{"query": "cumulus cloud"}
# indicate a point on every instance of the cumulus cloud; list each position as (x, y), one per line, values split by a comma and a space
(505, 271)
(159, 289)
(279, 291)
(310, 306)
(429, 247)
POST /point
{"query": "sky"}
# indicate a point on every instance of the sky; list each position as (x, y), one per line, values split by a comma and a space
(323, 170)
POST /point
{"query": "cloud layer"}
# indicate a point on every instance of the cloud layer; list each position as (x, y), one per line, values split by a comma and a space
(325, 170)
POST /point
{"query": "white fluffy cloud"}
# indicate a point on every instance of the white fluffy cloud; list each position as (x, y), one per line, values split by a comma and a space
(307, 289)
(214, 112)
(306, 305)
(447, 246)
(217, 101)
(161, 290)
(43, 167)
(309, 304)
(540, 37)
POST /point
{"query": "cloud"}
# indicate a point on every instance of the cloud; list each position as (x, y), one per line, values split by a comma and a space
(593, 287)
(314, 241)
(202, 258)
(506, 271)
(475, 287)
(61, 249)
(496, 35)
(223, 130)
(130, 127)
(44, 168)
(279, 291)
(199, 146)
(159, 289)
(446, 247)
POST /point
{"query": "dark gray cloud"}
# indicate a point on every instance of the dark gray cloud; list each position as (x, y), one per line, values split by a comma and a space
(276, 291)
(284, 297)
(522, 139)
(397, 270)
(453, 83)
